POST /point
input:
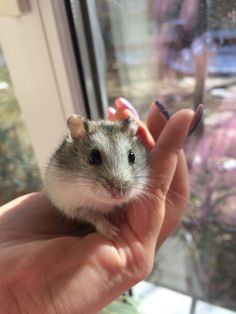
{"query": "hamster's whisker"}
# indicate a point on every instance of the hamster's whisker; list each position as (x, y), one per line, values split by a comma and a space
(74, 183)
(154, 197)
(172, 191)
(168, 201)
(143, 198)
(134, 209)
(132, 212)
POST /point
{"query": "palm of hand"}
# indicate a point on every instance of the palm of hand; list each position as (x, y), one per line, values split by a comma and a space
(45, 267)
(50, 257)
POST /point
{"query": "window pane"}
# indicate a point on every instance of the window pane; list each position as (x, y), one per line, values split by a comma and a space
(18, 170)
(184, 53)
(181, 53)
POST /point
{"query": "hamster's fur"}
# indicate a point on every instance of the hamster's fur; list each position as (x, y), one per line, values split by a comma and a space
(98, 167)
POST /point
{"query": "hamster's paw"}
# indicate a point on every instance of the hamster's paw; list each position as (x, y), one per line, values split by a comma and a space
(107, 229)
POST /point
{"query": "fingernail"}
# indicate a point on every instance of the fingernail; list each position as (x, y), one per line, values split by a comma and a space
(127, 105)
(111, 112)
(197, 118)
(162, 109)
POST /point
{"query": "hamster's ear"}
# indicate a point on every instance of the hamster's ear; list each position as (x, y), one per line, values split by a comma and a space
(129, 125)
(77, 127)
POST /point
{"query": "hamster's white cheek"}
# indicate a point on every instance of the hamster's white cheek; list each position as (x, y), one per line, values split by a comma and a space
(67, 195)
(139, 186)
(101, 193)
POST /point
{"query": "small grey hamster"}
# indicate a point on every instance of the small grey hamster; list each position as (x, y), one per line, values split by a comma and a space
(99, 166)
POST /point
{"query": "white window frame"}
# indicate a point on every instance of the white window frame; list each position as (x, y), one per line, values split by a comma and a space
(40, 58)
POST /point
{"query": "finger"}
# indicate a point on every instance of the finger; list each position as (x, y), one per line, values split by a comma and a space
(111, 113)
(177, 196)
(143, 133)
(163, 160)
(33, 215)
(165, 154)
(120, 113)
(145, 136)
(156, 119)
(122, 103)
(176, 200)
(179, 184)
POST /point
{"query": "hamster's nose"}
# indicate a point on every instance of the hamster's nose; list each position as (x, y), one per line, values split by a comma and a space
(117, 191)
(117, 194)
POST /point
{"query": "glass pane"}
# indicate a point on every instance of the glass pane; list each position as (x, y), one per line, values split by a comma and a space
(18, 170)
(184, 53)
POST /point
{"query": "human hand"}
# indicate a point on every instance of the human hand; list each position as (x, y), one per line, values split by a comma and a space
(44, 268)
(178, 191)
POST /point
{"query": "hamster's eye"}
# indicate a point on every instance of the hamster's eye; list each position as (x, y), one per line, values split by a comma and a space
(131, 157)
(95, 157)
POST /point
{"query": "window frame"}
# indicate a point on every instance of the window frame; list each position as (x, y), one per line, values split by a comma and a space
(41, 61)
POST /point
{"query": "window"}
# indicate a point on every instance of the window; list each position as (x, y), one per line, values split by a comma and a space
(78, 56)
(182, 53)
(43, 72)
(19, 173)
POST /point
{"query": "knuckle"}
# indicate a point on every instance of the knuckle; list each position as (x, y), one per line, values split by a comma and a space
(145, 269)
(161, 189)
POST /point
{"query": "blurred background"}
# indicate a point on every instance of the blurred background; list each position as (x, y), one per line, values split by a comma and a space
(180, 52)
(18, 169)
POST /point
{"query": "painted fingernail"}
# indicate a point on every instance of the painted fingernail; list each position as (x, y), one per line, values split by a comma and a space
(197, 118)
(162, 109)
(127, 105)
(111, 112)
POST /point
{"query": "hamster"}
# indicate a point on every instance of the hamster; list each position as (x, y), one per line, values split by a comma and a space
(99, 167)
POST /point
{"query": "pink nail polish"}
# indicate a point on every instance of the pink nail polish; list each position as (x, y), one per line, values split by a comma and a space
(111, 112)
(129, 106)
